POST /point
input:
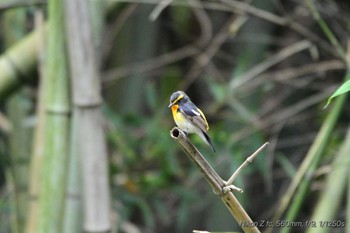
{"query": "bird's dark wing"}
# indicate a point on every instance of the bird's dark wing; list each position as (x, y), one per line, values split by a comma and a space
(195, 115)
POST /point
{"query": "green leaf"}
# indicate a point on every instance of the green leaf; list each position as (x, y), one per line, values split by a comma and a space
(345, 87)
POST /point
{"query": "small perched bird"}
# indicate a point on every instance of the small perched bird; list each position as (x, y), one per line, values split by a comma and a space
(188, 117)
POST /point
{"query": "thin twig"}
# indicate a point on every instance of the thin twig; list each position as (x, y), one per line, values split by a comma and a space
(327, 31)
(159, 8)
(215, 181)
(273, 60)
(184, 3)
(151, 64)
(113, 30)
(248, 161)
(310, 68)
(284, 114)
(242, 7)
(204, 22)
(204, 58)
(291, 75)
(282, 21)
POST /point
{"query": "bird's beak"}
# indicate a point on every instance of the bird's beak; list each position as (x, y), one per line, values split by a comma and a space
(171, 104)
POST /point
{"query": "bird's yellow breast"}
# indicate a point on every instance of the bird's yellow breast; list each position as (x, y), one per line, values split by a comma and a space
(181, 120)
(178, 117)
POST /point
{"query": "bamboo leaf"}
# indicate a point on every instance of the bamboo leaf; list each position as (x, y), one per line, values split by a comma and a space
(344, 88)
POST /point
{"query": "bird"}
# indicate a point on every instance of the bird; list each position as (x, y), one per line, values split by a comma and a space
(188, 117)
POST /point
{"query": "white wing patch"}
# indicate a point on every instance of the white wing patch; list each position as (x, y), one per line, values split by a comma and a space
(195, 112)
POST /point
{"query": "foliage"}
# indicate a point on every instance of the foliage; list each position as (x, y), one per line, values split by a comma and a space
(259, 70)
(344, 88)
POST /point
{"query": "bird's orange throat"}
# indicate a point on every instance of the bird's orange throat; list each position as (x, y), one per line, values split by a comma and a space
(174, 108)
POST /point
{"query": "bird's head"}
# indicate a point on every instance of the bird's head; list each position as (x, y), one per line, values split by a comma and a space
(178, 97)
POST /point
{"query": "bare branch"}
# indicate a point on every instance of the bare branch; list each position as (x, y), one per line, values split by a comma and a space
(215, 181)
(273, 60)
(159, 8)
(248, 161)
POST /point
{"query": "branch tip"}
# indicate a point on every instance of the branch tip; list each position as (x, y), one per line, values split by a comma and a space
(174, 133)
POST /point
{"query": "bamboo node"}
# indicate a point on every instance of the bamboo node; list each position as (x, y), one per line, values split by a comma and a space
(229, 188)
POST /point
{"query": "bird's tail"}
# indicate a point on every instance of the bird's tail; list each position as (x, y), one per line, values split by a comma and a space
(207, 140)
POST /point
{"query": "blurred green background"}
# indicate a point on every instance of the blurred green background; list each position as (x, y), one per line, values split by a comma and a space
(260, 71)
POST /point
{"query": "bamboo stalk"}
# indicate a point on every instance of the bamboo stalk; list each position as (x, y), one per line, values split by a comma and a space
(347, 214)
(330, 200)
(17, 112)
(57, 126)
(18, 63)
(215, 181)
(73, 211)
(38, 141)
(300, 182)
(73, 207)
(20, 157)
(90, 140)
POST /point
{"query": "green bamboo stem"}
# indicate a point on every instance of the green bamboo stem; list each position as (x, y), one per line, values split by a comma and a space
(18, 63)
(39, 136)
(73, 218)
(17, 110)
(73, 206)
(8, 5)
(57, 126)
(331, 197)
(19, 158)
(347, 229)
(301, 180)
(90, 138)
